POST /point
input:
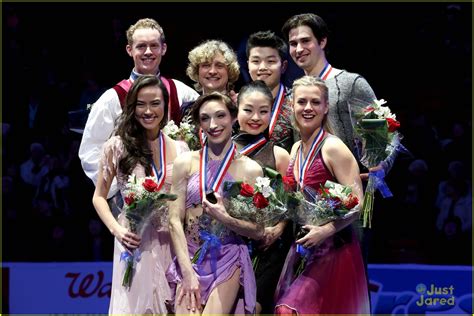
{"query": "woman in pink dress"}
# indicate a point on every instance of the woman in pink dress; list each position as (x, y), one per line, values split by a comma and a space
(333, 280)
(137, 149)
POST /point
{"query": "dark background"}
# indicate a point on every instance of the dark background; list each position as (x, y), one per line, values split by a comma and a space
(417, 56)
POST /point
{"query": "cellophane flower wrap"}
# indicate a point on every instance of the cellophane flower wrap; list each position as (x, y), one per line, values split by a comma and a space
(142, 200)
(330, 202)
(264, 203)
(376, 128)
(186, 132)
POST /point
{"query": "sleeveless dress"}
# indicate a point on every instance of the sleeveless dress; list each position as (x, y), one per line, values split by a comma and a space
(270, 263)
(333, 281)
(149, 290)
(233, 253)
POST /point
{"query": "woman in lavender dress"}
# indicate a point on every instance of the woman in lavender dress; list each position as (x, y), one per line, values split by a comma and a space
(222, 280)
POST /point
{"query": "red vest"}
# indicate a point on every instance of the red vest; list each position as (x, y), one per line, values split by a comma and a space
(174, 111)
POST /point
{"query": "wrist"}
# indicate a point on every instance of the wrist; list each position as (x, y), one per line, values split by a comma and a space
(328, 230)
(226, 219)
(114, 229)
(188, 273)
(281, 225)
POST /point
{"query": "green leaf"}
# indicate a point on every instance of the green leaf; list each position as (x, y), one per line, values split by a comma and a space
(196, 255)
(166, 196)
(271, 173)
(373, 123)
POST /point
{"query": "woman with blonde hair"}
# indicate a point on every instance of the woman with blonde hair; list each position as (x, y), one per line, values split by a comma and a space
(333, 280)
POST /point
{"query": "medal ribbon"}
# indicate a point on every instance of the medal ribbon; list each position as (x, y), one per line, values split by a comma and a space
(325, 72)
(276, 109)
(259, 142)
(160, 176)
(225, 164)
(313, 150)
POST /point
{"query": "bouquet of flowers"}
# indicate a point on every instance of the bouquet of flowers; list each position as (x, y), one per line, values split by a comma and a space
(330, 202)
(265, 204)
(142, 198)
(186, 132)
(377, 128)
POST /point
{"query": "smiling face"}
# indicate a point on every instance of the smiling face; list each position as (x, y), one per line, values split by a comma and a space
(310, 108)
(149, 110)
(254, 112)
(265, 64)
(213, 75)
(146, 50)
(305, 49)
(216, 121)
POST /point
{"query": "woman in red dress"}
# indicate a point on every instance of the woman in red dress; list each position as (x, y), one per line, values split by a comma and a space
(333, 281)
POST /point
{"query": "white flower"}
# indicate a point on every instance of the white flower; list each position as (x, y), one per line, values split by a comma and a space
(262, 182)
(337, 190)
(384, 112)
(379, 103)
(186, 126)
(267, 191)
(170, 129)
(263, 185)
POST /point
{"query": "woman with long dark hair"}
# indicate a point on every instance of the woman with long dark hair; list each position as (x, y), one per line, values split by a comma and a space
(139, 148)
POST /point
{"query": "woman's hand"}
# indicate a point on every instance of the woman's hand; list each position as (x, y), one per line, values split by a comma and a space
(128, 239)
(216, 210)
(315, 236)
(190, 292)
(271, 234)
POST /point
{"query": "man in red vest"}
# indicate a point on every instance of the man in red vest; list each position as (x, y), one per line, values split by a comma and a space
(146, 45)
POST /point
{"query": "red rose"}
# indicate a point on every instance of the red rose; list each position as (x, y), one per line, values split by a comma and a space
(324, 192)
(289, 183)
(393, 125)
(130, 199)
(150, 185)
(351, 202)
(246, 190)
(260, 201)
